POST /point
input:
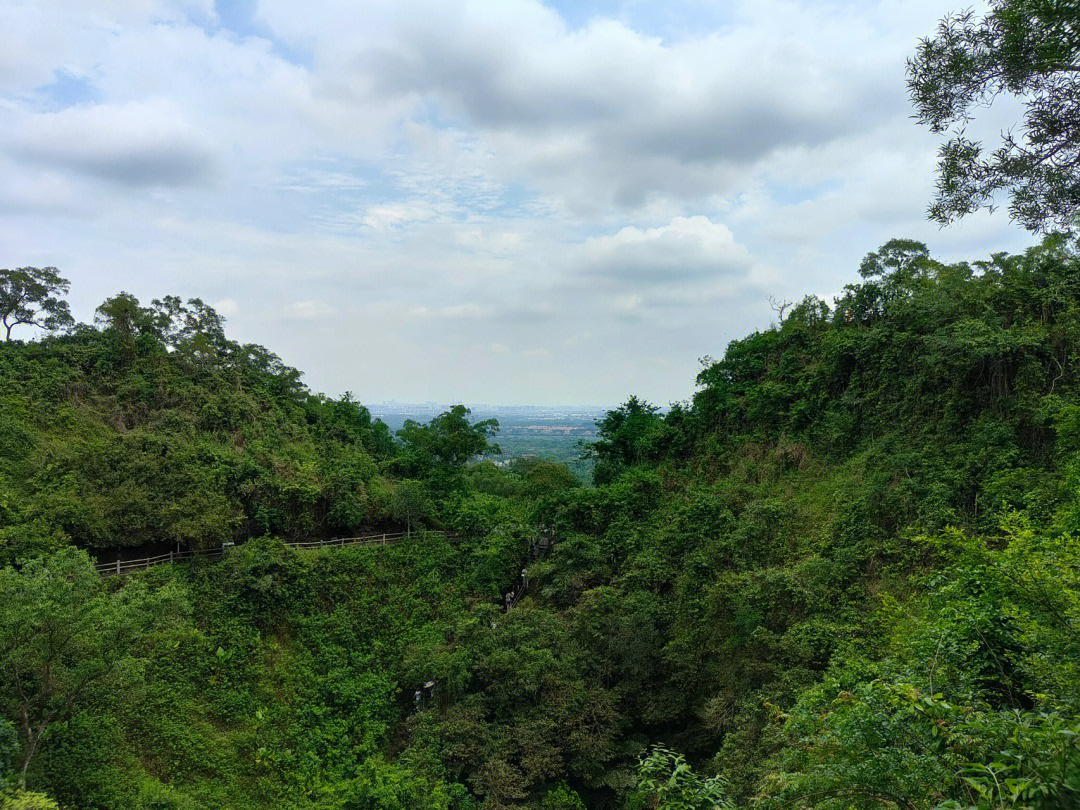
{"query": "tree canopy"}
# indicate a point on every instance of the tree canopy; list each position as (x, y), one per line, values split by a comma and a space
(33, 296)
(1025, 49)
(449, 440)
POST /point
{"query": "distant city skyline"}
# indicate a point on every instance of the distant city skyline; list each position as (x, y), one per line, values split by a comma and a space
(478, 409)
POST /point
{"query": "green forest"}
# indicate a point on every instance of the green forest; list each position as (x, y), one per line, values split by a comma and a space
(844, 575)
(846, 569)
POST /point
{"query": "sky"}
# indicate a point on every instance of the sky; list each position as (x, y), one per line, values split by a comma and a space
(505, 202)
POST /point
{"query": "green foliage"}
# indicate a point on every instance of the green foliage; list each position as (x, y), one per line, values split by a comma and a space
(9, 754)
(629, 435)
(844, 575)
(61, 635)
(158, 428)
(385, 786)
(673, 785)
(1027, 49)
(541, 478)
(449, 439)
(27, 800)
(975, 704)
(153, 795)
(32, 296)
(562, 797)
(410, 502)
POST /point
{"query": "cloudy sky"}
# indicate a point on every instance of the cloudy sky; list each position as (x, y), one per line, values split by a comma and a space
(504, 201)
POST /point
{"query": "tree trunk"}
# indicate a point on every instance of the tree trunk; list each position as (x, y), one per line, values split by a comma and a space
(32, 741)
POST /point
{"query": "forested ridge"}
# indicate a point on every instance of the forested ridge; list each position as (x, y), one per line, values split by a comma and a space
(844, 575)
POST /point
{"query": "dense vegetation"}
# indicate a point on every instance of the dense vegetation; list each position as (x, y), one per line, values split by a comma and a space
(845, 575)
(156, 427)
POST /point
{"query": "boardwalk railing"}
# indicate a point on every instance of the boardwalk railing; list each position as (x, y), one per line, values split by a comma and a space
(121, 567)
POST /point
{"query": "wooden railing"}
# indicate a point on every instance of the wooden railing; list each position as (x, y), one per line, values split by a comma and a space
(121, 567)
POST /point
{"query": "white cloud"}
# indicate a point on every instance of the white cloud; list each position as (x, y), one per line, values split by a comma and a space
(133, 144)
(629, 304)
(457, 312)
(227, 307)
(381, 217)
(310, 310)
(687, 248)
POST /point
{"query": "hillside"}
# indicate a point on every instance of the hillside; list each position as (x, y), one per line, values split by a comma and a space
(156, 427)
(844, 575)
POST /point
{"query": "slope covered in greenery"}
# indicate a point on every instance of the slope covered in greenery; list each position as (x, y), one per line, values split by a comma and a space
(844, 575)
(156, 427)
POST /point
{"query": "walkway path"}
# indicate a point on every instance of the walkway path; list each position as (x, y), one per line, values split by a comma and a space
(537, 549)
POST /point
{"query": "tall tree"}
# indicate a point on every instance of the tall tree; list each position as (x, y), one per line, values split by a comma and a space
(1027, 49)
(61, 633)
(31, 296)
(123, 319)
(411, 502)
(449, 439)
(626, 436)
